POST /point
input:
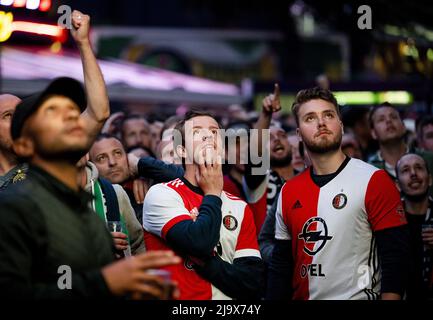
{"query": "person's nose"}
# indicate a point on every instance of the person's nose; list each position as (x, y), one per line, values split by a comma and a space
(388, 120)
(413, 173)
(112, 161)
(321, 122)
(207, 136)
(71, 114)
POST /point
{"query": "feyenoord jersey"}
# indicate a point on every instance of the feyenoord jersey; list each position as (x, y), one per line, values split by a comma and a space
(331, 229)
(169, 203)
(262, 198)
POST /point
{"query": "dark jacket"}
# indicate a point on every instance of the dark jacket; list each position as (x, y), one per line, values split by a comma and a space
(44, 226)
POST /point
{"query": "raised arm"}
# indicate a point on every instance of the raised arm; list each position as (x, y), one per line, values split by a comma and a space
(98, 107)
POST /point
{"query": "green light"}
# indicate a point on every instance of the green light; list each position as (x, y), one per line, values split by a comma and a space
(348, 98)
(355, 97)
(392, 30)
(430, 54)
(396, 97)
(370, 97)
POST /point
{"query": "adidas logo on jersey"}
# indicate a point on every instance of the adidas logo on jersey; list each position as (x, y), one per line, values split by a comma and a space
(297, 205)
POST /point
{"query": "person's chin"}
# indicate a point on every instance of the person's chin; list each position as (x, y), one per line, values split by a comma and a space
(413, 193)
(279, 157)
(76, 143)
(116, 179)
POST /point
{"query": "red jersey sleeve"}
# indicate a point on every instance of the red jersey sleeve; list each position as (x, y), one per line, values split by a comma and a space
(247, 245)
(382, 202)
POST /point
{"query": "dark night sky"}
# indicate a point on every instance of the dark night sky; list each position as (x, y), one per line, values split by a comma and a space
(246, 14)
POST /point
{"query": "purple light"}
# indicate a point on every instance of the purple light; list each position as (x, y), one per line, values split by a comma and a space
(24, 64)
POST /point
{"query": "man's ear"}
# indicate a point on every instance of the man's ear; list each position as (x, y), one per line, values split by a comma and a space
(298, 134)
(430, 180)
(24, 147)
(180, 151)
(373, 134)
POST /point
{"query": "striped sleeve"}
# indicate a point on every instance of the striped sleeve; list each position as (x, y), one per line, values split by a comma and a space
(162, 209)
(281, 231)
(382, 202)
(247, 245)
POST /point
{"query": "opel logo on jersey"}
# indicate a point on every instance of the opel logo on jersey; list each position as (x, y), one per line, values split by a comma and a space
(339, 201)
(313, 236)
(230, 222)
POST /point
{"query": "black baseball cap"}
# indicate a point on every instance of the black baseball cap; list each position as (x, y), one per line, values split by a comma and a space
(64, 86)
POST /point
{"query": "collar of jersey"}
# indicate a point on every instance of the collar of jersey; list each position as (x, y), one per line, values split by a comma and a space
(192, 187)
(331, 175)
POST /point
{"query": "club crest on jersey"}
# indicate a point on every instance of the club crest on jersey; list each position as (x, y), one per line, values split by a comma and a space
(230, 222)
(312, 235)
(339, 201)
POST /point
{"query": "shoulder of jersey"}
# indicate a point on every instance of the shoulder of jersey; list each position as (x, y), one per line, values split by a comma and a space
(236, 200)
(176, 183)
(298, 178)
(232, 197)
(358, 164)
(163, 186)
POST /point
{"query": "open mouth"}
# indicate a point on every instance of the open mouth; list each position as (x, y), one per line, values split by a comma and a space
(415, 184)
(278, 149)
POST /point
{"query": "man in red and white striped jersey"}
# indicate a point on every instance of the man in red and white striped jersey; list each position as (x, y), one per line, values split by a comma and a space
(213, 231)
(340, 226)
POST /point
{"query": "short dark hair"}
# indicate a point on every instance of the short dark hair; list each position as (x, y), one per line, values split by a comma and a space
(103, 136)
(133, 117)
(168, 123)
(425, 121)
(374, 109)
(309, 94)
(180, 126)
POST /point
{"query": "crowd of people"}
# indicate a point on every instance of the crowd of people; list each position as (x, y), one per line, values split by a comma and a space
(138, 208)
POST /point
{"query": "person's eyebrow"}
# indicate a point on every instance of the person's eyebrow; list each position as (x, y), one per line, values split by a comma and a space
(329, 110)
(309, 114)
(6, 111)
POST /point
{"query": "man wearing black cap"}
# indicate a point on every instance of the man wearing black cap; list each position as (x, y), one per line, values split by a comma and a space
(94, 114)
(52, 246)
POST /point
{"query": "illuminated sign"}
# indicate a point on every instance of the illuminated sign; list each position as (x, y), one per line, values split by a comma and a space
(8, 25)
(369, 97)
(41, 5)
(6, 19)
(348, 98)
